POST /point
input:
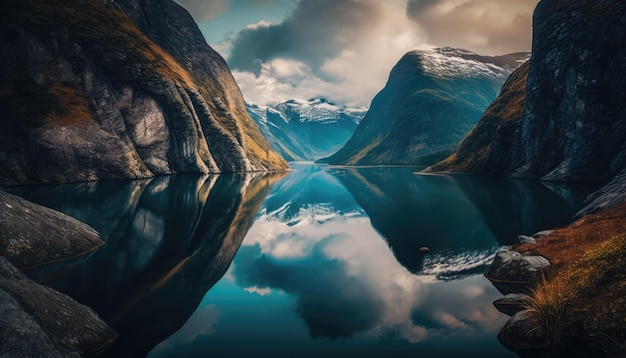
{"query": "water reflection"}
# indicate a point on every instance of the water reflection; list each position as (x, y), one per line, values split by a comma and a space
(169, 239)
(330, 264)
(338, 250)
(514, 207)
(457, 217)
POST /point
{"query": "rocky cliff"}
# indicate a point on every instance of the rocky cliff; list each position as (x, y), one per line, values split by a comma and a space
(568, 124)
(306, 130)
(120, 89)
(431, 100)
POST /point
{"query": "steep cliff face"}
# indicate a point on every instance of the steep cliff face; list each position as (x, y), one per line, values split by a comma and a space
(574, 124)
(431, 100)
(87, 92)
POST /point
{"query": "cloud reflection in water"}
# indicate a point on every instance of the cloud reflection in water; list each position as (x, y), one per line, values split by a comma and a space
(346, 280)
(332, 266)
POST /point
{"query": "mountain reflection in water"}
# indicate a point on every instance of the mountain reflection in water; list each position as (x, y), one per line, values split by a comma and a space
(168, 240)
(338, 250)
(330, 264)
(454, 215)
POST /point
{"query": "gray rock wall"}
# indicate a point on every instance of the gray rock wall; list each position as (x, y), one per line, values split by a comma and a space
(113, 103)
(574, 123)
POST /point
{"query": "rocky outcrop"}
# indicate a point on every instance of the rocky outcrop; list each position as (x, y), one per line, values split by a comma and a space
(431, 100)
(108, 95)
(512, 272)
(37, 321)
(33, 235)
(573, 126)
(609, 195)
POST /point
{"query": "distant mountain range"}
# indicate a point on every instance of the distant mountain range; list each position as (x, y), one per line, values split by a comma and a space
(306, 130)
(431, 100)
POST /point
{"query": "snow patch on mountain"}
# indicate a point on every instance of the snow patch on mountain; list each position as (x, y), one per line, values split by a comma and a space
(315, 110)
(458, 63)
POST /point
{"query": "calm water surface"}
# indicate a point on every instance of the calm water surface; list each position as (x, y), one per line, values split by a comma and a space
(322, 261)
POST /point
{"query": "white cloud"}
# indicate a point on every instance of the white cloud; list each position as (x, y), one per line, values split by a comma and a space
(315, 53)
(258, 25)
(490, 27)
(349, 66)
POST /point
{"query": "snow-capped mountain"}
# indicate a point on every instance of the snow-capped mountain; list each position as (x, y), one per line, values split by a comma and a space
(458, 63)
(431, 101)
(306, 129)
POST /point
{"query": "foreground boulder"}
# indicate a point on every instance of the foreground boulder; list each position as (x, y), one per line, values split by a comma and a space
(38, 321)
(32, 235)
(512, 272)
(520, 333)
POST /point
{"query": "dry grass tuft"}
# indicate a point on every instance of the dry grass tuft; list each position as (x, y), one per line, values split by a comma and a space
(547, 306)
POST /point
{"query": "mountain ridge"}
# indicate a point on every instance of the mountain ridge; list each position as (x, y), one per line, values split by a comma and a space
(305, 130)
(406, 125)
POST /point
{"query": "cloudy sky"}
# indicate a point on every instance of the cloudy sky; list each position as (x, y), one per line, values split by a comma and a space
(344, 49)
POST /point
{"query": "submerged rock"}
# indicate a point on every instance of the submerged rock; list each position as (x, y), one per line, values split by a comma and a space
(38, 321)
(33, 235)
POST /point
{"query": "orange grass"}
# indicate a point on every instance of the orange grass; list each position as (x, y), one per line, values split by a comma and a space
(584, 294)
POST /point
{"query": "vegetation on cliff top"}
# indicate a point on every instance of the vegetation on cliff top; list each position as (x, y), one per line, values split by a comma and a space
(102, 27)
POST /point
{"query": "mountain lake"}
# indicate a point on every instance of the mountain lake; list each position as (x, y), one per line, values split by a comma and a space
(320, 261)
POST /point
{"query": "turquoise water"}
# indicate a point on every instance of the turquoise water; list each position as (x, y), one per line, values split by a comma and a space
(321, 262)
